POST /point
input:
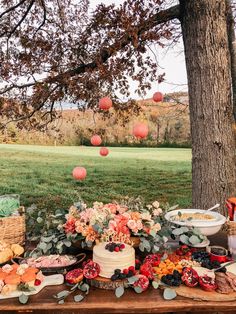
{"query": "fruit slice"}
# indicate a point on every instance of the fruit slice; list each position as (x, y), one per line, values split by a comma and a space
(29, 275)
(3, 275)
(91, 270)
(190, 277)
(207, 283)
(74, 276)
(147, 270)
(142, 282)
(12, 279)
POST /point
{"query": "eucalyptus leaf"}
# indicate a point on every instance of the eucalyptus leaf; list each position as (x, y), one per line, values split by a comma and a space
(141, 247)
(132, 279)
(62, 294)
(49, 246)
(67, 243)
(119, 291)
(155, 284)
(177, 231)
(169, 294)
(184, 239)
(194, 239)
(84, 287)
(78, 298)
(138, 289)
(23, 298)
(47, 239)
(74, 287)
(184, 229)
(42, 246)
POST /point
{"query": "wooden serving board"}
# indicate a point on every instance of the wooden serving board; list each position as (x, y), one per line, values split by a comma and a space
(201, 295)
(106, 283)
(52, 280)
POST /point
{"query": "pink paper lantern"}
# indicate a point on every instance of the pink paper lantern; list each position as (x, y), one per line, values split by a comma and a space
(140, 130)
(79, 173)
(105, 103)
(96, 140)
(104, 151)
(157, 97)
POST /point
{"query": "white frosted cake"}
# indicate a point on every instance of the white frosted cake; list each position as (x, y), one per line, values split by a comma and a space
(109, 261)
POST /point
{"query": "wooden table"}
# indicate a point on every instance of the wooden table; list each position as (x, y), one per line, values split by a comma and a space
(104, 302)
(100, 301)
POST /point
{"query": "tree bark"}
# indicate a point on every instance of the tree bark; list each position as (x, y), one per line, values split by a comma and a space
(204, 29)
(232, 49)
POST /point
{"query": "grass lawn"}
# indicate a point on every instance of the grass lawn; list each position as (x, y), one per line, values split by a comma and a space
(42, 174)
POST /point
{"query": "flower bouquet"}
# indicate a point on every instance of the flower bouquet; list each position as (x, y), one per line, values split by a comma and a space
(119, 222)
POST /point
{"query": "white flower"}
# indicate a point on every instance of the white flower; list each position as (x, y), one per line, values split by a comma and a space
(156, 227)
(7, 268)
(157, 211)
(156, 204)
(21, 269)
(132, 224)
(146, 216)
(149, 206)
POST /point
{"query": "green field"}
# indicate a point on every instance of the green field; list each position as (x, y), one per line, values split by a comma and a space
(42, 174)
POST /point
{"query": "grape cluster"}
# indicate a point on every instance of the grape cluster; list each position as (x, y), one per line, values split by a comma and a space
(204, 259)
(172, 280)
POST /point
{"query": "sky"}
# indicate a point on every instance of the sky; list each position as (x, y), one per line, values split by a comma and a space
(171, 63)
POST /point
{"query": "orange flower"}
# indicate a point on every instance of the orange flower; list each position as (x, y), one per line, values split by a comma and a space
(135, 215)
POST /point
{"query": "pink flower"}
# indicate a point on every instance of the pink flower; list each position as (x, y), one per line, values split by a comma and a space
(157, 211)
(122, 210)
(86, 214)
(139, 224)
(112, 207)
(112, 225)
(69, 226)
(132, 224)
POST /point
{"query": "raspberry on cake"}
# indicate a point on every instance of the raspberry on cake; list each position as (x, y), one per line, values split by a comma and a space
(110, 260)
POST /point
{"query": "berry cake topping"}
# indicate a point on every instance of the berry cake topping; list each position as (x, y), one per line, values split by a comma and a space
(126, 273)
(115, 247)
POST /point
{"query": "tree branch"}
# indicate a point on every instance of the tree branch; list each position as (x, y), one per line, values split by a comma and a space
(105, 53)
(20, 21)
(12, 8)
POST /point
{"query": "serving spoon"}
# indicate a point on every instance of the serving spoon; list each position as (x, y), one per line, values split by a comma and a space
(213, 207)
(225, 265)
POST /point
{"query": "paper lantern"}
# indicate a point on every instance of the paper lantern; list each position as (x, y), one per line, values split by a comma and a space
(157, 97)
(140, 130)
(79, 173)
(104, 151)
(96, 140)
(105, 103)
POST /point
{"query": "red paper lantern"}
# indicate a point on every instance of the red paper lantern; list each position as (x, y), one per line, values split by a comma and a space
(79, 173)
(96, 140)
(157, 97)
(105, 103)
(104, 151)
(140, 130)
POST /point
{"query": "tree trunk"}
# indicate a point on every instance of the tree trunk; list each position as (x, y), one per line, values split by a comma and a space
(204, 31)
(232, 49)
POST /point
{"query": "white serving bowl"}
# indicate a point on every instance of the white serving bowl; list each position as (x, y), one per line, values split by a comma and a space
(207, 227)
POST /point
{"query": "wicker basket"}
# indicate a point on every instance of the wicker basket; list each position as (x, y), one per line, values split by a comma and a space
(12, 229)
